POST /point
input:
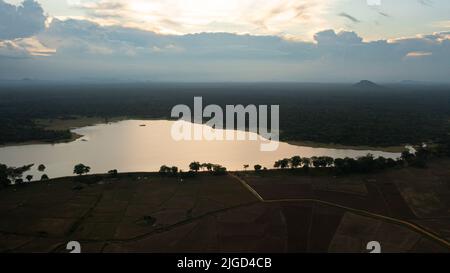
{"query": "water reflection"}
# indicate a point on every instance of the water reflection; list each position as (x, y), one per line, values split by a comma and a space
(128, 146)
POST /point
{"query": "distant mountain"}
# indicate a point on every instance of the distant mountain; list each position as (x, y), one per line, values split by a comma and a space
(366, 84)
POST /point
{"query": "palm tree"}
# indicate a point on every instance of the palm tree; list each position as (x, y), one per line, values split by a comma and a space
(29, 177)
(246, 166)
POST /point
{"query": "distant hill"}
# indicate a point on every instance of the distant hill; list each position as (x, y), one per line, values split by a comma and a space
(366, 84)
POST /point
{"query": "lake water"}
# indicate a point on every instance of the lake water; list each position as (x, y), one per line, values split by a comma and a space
(130, 147)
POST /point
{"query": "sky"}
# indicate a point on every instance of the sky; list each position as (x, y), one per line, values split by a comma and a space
(232, 40)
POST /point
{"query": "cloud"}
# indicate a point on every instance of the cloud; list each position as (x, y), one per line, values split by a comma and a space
(21, 21)
(73, 49)
(330, 37)
(182, 17)
(9, 49)
(418, 54)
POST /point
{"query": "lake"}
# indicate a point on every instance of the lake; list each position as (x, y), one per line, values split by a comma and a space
(128, 146)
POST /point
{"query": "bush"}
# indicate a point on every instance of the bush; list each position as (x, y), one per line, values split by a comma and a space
(113, 173)
(219, 170)
(166, 170)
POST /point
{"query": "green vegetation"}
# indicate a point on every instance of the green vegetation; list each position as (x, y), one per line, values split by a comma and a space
(368, 163)
(113, 173)
(195, 166)
(81, 169)
(165, 170)
(338, 114)
(10, 175)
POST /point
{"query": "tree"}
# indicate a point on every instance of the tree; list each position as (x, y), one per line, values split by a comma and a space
(195, 166)
(306, 163)
(322, 161)
(258, 168)
(366, 163)
(164, 169)
(284, 163)
(29, 177)
(316, 162)
(41, 168)
(44, 177)
(113, 173)
(380, 163)
(219, 170)
(15, 174)
(81, 169)
(407, 156)
(296, 161)
(207, 166)
(277, 164)
(421, 157)
(339, 165)
(4, 175)
(246, 166)
(328, 161)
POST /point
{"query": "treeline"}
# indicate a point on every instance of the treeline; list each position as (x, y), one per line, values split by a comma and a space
(10, 175)
(21, 130)
(365, 164)
(194, 168)
(337, 114)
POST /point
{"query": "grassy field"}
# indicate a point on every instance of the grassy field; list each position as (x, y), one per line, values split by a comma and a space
(405, 210)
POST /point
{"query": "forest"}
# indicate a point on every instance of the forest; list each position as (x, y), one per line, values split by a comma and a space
(390, 115)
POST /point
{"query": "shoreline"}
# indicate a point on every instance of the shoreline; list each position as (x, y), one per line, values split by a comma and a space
(390, 149)
(59, 124)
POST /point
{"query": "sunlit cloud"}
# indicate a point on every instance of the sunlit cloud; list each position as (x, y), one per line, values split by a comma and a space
(26, 47)
(418, 54)
(280, 17)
